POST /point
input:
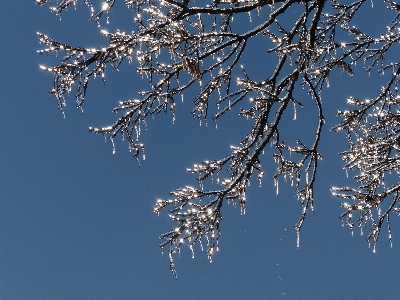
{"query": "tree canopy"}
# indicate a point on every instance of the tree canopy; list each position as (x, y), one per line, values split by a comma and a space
(195, 49)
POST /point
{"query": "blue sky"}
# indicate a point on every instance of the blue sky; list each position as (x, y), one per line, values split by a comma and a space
(77, 222)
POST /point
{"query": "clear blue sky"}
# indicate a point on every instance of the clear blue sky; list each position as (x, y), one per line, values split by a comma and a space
(77, 222)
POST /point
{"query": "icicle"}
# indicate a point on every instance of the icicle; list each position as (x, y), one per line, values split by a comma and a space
(295, 113)
(201, 247)
(113, 146)
(390, 232)
(259, 11)
(298, 238)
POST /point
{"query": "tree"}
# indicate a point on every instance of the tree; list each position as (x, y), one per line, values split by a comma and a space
(181, 47)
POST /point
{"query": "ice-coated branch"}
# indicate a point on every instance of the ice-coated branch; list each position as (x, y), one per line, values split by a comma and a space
(373, 134)
(197, 50)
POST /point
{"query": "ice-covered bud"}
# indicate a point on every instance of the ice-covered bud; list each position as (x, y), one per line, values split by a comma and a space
(105, 5)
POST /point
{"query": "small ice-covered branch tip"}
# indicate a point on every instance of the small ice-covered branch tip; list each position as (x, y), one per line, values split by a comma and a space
(184, 48)
(81, 64)
(195, 223)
